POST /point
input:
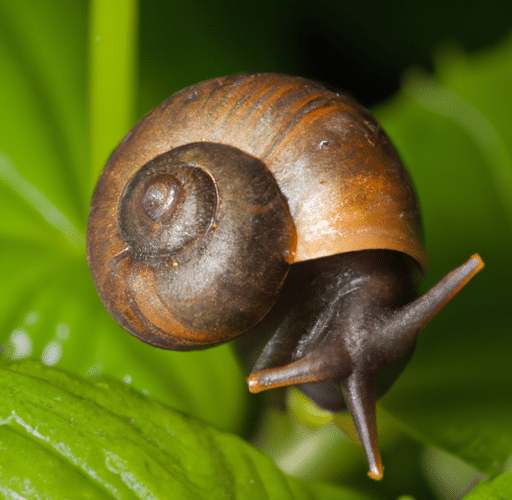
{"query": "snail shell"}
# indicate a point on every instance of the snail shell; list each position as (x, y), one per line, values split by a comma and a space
(204, 205)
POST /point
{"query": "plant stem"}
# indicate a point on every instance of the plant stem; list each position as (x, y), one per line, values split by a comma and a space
(113, 35)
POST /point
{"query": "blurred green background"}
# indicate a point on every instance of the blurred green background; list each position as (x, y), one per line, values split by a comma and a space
(77, 75)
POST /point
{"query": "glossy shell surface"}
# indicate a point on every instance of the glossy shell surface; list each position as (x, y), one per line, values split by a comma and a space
(336, 169)
(345, 185)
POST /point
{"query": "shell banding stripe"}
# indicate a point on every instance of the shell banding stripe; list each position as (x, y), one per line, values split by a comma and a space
(298, 100)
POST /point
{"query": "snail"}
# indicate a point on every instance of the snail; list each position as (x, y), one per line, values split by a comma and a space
(266, 201)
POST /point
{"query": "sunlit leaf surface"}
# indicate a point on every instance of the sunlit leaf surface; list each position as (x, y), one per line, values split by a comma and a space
(78, 439)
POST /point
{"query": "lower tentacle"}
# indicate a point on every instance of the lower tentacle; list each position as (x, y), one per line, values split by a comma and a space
(360, 397)
(314, 367)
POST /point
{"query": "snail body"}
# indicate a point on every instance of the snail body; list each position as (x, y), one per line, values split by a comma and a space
(267, 201)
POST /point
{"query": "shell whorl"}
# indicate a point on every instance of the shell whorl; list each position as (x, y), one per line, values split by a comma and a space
(206, 241)
(166, 207)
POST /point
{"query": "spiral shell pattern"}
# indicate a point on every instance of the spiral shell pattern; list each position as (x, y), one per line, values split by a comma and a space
(198, 230)
(160, 208)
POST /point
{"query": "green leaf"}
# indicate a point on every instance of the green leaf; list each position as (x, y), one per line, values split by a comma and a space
(42, 96)
(453, 132)
(77, 439)
(499, 488)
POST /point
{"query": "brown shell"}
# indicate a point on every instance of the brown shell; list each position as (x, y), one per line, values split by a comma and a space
(345, 185)
(193, 249)
(342, 179)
